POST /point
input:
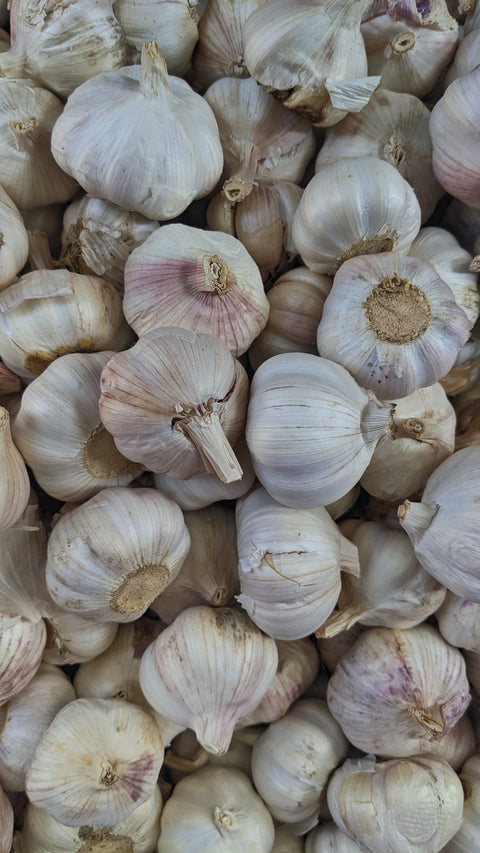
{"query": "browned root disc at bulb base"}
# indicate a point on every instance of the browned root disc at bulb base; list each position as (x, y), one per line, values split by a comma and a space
(397, 310)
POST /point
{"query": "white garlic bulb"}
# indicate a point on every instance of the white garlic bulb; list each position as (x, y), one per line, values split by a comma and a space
(140, 103)
(396, 693)
(225, 815)
(21, 647)
(466, 839)
(289, 565)
(14, 483)
(410, 805)
(23, 590)
(14, 240)
(73, 639)
(113, 773)
(355, 206)
(207, 670)
(466, 57)
(172, 23)
(328, 836)
(459, 622)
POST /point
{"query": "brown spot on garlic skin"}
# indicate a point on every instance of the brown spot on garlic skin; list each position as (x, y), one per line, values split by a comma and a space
(101, 457)
(103, 841)
(139, 588)
(54, 641)
(38, 361)
(397, 311)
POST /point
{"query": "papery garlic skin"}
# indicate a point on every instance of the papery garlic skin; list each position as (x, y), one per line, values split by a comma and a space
(466, 838)
(173, 25)
(207, 670)
(73, 639)
(21, 647)
(395, 693)
(6, 823)
(14, 240)
(215, 810)
(114, 773)
(328, 836)
(138, 103)
(409, 805)
(23, 590)
(15, 483)
(459, 622)
(355, 206)
(465, 59)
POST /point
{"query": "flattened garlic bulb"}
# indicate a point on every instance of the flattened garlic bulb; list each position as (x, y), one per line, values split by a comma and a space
(14, 483)
(139, 103)
(405, 328)
(199, 280)
(215, 810)
(354, 206)
(207, 670)
(113, 772)
(409, 805)
(111, 556)
(398, 692)
(176, 403)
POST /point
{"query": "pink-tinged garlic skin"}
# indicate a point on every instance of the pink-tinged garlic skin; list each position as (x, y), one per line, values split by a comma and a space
(397, 692)
(21, 647)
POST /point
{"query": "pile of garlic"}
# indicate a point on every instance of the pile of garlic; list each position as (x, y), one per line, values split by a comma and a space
(239, 426)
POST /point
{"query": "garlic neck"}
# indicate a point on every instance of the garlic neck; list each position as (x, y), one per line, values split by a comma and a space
(153, 71)
(23, 130)
(415, 518)
(216, 275)
(405, 427)
(375, 422)
(239, 186)
(431, 721)
(202, 426)
(225, 819)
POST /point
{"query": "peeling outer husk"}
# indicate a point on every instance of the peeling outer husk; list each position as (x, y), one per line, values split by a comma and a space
(23, 589)
(405, 328)
(396, 693)
(199, 280)
(459, 622)
(173, 25)
(261, 140)
(392, 589)
(6, 823)
(444, 528)
(42, 833)
(73, 639)
(13, 240)
(422, 435)
(293, 759)
(406, 805)
(176, 403)
(208, 670)
(111, 556)
(311, 56)
(289, 565)
(15, 483)
(328, 836)
(60, 435)
(63, 44)
(355, 206)
(394, 127)
(209, 571)
(21, 647)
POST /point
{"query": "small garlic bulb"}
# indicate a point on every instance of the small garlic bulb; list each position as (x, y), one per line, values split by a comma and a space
(113, 773)
(225, 815)
(73, 639)
(207, 670)
(172, 23)
(396, 693)
(199, 280)
(139, 103)
(111, 556)
(328, 836)
(405, 328)
(409, 805)
(289, 565)
(176, 403)
(13, 240)
(14, 483)
(355, 206)
(21, 647)
(459, 622)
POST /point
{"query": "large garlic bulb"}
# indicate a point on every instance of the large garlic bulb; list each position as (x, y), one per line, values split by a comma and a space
(172, 23)
(311, 429)
(139, 103)
(14, 482)
(176, 403)
(354, 206)
(289, 565)
(409, 805)
(398, 692)
(208, 670)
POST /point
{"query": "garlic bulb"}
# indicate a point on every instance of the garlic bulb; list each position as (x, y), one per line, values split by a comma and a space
(48, 220)
(465, 59)
(289, 565)
(296, 304)
(176, 403)
(13, 240)
(394, 127)
(173, 25)
(311, 56)
(328, 836)
(64, 44)
(138, 833)
(199, 280)
(73, 639)
(392, 589)
(60, 435)
(6, 823)
(261, 140)
(311, 429)
(422, 435)
(225, 815)
(139, 103)
(292, 760)
(14, 484)
(209, 571)
(21, 647)
(467, 408)
(355, 206)
(9, 381)
(48, 313)
(98, 237)
(443, 526)
(113, 773)
(458, 621)
(405, 327)
(332, 648)
(410, 805)
(110, 557)
(454, 132)
(398, 692)
(208, 670)
(25, 719)
(466, 839)
(186, 756)
(23, 590)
